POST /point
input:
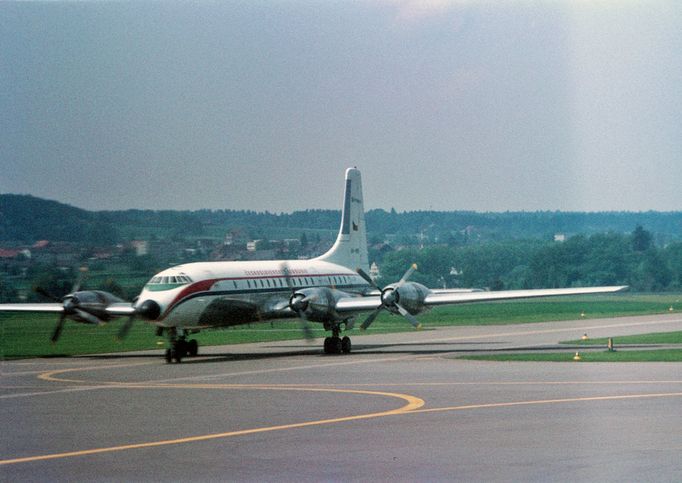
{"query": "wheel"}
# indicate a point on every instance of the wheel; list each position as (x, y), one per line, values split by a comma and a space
(192, 348)
(345, 345)
(327, 345)
(169, 357)
(335, 345)
(177, 353)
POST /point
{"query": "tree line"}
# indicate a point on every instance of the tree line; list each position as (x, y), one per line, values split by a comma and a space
(26, 219)
(582, 260)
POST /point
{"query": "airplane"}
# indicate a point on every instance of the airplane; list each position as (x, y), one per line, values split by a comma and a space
(332, 289)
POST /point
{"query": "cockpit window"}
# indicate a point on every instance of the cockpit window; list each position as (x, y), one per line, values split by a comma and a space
(158, 283)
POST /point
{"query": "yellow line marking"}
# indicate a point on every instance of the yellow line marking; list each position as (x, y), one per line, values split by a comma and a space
(547, 401)
(487, 383)
(298, 368)
(50, 375)
(412, 407)
(412, 404)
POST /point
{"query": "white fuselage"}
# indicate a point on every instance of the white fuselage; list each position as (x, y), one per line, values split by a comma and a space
(208, 294)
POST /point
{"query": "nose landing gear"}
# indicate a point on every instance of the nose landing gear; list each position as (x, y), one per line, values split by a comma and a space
(180, 347)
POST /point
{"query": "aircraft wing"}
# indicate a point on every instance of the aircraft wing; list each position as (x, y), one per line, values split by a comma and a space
(358, 304)
(115, 309)
(120, 308)
(32, 307)
(445, 297)
(455, 290)
(461, 298)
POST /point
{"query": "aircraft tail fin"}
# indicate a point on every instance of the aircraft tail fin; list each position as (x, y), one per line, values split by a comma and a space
(350, 248)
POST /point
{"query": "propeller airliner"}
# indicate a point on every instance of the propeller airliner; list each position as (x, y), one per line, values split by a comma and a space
(332, 289)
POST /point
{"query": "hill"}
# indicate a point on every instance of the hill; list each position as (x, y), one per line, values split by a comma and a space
(26, 219)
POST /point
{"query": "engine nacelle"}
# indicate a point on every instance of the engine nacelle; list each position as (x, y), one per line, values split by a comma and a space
(149, 310)
(410, 295)
(316, 304)
(89, 306)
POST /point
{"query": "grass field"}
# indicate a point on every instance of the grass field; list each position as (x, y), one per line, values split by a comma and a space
(629, 355)
(27, 335)
(655, 338)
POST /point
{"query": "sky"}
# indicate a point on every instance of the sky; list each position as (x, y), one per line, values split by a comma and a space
(262, 105)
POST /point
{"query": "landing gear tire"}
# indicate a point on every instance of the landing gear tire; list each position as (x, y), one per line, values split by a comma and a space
(192, 348)
(176, 354)
(332, 345)
(345, 345)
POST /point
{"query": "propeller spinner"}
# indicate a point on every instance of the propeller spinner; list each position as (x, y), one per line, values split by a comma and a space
(390, 299)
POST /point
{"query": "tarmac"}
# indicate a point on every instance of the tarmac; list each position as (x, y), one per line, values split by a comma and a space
(400, 407)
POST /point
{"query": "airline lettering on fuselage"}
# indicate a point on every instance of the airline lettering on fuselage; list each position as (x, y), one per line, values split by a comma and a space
(275, 273)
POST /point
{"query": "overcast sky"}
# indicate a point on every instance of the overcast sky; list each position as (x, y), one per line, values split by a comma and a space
(446, 105)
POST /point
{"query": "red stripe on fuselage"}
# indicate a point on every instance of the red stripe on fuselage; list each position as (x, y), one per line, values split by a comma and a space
(201, 286)
(205, 285)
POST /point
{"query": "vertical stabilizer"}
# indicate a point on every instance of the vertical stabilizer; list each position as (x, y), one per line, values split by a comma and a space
(350, 248)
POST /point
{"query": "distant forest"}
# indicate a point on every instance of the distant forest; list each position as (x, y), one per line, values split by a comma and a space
(511, 250)
(25, 219)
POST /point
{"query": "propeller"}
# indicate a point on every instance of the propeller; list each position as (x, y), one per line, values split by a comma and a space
(58, 328)
(390, 297)
(149, 309)
(298, 303)
(70, 305)
(125, 328)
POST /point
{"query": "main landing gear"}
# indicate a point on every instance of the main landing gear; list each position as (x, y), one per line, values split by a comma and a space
(180, 347)
(336, 344)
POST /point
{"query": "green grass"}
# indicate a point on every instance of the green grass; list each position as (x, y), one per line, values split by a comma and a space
(28, 335)
(655, 338)
(551, 309)
(654, 355)
(667, 355)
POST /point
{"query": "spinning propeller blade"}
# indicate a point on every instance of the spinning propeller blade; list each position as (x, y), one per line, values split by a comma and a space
(125, 328)
(389, 298)
(58, 328)
(298, 304)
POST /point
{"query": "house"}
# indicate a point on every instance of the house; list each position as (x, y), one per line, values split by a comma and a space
(8, 254)
(141, 247)
(252, 246)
